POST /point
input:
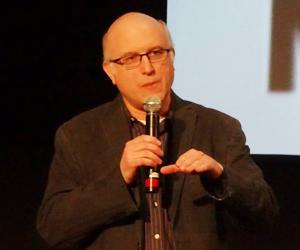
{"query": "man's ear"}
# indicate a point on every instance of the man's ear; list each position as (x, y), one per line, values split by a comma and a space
(110, 71)
(172, 55)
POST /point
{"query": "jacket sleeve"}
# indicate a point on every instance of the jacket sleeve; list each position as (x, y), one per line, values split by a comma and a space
(71, 208)
(242, 190)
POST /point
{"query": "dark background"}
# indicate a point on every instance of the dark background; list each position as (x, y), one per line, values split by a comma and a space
(51, 70)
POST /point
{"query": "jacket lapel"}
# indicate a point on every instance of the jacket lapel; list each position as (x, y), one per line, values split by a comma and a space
(183, 123)
(118, 129)
(116, 126)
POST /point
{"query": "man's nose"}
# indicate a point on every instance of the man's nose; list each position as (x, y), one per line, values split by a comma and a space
(146, 65)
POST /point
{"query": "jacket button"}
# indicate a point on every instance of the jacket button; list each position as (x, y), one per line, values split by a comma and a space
(156, 236)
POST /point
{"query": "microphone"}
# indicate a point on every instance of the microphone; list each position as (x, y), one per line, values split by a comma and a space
(152, 105)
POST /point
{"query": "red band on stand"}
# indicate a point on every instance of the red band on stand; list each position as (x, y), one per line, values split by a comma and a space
(152, 183)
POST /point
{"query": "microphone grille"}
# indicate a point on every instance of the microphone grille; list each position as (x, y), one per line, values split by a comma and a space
(152, 104)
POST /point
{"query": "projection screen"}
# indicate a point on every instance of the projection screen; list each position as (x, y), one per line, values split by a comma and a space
(223, 58)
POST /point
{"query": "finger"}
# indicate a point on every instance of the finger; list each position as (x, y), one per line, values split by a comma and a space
(212, 167)
(142, 145)
(150, 147)
(206, 165)
(191, 160)
(148, 138)
(200, 163)
(197, 167)
(149, 155)
(135, 159)
(170, 169)
(185, 162)
(129, 172)
(147, 162)
(188, 157)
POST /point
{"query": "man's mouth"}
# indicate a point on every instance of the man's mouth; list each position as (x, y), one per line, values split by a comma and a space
(148, 84)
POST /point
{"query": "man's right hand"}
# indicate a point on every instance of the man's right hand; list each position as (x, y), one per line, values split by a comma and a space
(143, 150)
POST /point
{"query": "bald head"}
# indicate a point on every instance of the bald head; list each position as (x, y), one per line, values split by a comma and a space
(138, 36)
(131, 30)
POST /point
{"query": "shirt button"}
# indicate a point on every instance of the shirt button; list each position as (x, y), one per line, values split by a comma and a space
(156, 236)
(155, 203)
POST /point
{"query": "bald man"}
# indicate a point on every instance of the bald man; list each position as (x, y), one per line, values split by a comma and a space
(95, 197)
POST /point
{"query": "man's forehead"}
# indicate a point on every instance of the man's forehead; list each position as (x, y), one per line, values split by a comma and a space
(134, 32)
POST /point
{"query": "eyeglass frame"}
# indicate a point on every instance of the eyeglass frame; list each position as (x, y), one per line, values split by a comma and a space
(117, 60)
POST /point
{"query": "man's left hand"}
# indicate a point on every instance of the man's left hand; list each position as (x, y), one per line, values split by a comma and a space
(194, 162)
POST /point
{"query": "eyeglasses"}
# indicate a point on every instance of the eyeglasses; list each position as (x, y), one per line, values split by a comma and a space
(133, 60)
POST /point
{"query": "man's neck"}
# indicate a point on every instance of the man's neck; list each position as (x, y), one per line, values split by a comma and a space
(136, 113)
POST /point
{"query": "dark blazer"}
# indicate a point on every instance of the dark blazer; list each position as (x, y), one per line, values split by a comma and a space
(87, 204)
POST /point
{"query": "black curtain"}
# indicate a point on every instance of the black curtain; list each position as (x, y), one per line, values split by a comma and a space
(50, 70)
